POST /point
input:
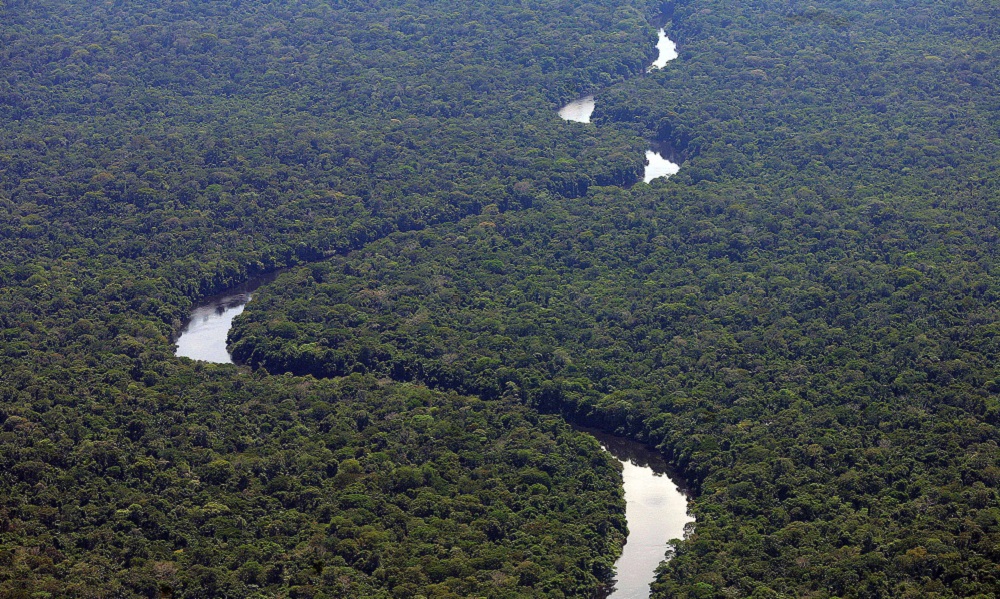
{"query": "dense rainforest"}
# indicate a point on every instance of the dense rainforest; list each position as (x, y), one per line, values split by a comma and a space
(152, 153)
(802, 320)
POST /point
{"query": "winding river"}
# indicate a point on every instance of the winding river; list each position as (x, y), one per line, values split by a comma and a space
(656, 505)
(658, 162)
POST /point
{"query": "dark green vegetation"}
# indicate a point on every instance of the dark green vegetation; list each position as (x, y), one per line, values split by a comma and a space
(154, 152)
(255, 134)
(212, 485)
(803, 319)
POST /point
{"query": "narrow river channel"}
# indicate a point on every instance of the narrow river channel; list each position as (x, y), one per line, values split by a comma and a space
(656, 509)
(203, 336)
(655, 504)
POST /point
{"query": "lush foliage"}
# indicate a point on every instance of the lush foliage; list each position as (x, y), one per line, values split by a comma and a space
(211, 484)
(803, 319)
(151, 153)
(262, 133)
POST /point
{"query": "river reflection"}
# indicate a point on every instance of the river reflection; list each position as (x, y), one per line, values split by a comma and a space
(204, 334)
(656, 511)
(578, 111)
(660, 161)
(657, 166)
(667, 48)
(660, 158)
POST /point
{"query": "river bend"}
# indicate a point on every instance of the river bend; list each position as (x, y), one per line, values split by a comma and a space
(656, 506)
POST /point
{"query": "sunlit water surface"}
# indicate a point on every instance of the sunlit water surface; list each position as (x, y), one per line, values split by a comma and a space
(667, 48)
(656, 508)
(578, 111)
(204, 334)
(657, 166)
(657, 163)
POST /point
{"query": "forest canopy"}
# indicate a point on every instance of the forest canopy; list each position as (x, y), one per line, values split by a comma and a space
(802, 319)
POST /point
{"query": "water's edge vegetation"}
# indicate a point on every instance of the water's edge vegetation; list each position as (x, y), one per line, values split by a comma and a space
(660, 157)
(656, 511)
(656, 503)
(802, 319)
(204, 335)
